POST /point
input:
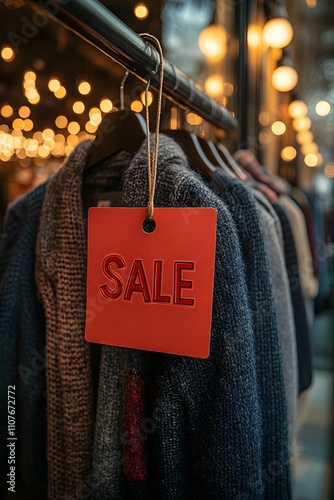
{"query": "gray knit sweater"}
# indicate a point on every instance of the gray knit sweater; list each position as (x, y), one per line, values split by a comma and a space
(274, 242)
(242, 205)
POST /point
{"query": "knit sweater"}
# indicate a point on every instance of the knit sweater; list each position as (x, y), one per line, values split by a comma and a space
(303, 340)
(274, 244)
(309, 284)
(22, 333)
(204, 433)
(242, 205)
(210, 407)
(60, 277)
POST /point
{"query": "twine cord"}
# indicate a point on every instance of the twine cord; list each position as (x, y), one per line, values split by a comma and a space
(153, 162)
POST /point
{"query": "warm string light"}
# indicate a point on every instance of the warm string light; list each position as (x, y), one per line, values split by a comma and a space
(106, 105)
(43, 143)
(149, 98)
(278, 128)
(214, 85)
(297, 109)
(277, 33)
(288, 153)
(284, 78)
(213, 42)
(7, 54)
(322, 108)
(136, 106)
(301, 124)
(141, 11)
(84, 88)
(30, 90)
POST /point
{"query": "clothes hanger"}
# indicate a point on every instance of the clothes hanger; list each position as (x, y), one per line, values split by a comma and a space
(122, 130)
(213, 156)
(226, 155)
(190, 144)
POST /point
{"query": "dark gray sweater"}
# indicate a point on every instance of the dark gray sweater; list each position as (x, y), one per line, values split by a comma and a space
(206, 436)
(242, 205)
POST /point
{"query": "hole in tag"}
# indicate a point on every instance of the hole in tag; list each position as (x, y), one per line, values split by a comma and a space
(149, 225)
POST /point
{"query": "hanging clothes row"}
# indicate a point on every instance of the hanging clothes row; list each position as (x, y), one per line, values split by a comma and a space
(105, 422)
(216, 426)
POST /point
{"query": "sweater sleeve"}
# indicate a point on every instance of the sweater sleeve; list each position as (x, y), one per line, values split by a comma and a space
(22, 361)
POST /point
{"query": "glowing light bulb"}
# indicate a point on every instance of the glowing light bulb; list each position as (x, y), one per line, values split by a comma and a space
(284, 78)
(18, 124)
(84, 88)
(277, 33)
(35, 100)
(106, 105)
(136, 106)
(61, 121)
(312, 147)
(6, 111)
(214, 85)
(302, 124)
(212, 42)
(149, 98)
(7, 54)
(90, 127)
(141, 11)
(24, 111)
(60, 93)
(78, 107)
(323, 108)
(54, 84)
(29, 76)
(311, 160)
(304, 137)
(48, 133)
(28, 125)
(73, 128)
(289, 153)
(278, 128)
(297, 109)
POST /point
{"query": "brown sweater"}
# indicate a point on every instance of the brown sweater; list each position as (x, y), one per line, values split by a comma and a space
(60, 277)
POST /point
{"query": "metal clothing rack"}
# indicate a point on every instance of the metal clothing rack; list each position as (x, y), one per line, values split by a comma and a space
(96, 24)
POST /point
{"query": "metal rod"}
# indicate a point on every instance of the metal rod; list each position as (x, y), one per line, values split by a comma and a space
(96, 24)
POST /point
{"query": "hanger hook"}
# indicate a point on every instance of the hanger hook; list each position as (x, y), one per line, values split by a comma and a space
(121, 89)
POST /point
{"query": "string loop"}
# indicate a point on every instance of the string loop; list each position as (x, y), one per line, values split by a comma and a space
(152, 163)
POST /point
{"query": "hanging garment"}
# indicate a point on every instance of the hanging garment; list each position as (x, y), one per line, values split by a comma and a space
(210, 408)
(324, 291)
(242, 205)
(274, 243)
(22, 333)
(304, 351)
(301, 199)
(309, 283)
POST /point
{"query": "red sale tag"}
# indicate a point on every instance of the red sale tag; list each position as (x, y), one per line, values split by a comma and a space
(151, 291)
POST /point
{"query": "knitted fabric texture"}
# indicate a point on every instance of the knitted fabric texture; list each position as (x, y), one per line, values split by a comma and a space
(210, 407)
(60, 277)
(304, 351)
(274, 245)
(206, 433)
(242, 206)
(22, 331)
